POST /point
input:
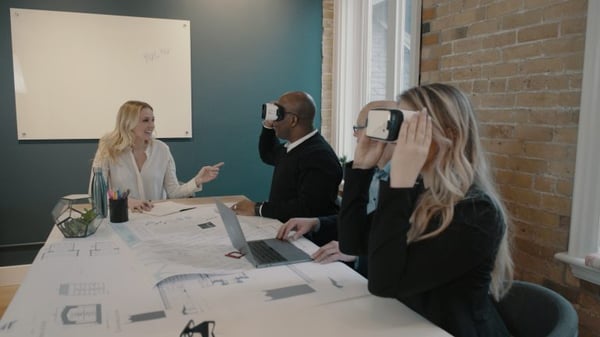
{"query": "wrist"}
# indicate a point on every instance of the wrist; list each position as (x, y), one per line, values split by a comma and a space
(257, 208)
(316, 225)
(361, 166)
(401, 182)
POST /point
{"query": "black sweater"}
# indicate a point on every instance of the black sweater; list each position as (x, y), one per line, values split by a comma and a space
(445, 278)
(305, 181)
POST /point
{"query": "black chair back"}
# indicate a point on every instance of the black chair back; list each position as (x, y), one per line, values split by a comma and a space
(530, 310)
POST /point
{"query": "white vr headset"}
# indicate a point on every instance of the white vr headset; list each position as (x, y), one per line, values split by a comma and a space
(272, 112)
(384, 124)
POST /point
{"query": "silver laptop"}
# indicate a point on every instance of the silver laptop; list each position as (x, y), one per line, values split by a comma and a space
(261, 253)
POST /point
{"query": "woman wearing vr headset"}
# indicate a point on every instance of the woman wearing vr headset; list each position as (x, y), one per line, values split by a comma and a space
(132, 159)
(438, 239)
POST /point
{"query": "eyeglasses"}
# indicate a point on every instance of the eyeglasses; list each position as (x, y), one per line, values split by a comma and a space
(202, 329)
(355, 128)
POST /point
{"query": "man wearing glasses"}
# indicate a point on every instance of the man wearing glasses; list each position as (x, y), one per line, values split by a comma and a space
(307, 172)
(330, 252)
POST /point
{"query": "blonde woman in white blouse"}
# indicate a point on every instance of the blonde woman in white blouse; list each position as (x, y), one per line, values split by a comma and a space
(132, 159)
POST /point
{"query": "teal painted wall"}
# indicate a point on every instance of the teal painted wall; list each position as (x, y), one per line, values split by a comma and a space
(244, 52)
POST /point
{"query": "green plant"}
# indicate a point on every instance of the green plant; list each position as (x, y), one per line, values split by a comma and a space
(80, 226)
(88, 215)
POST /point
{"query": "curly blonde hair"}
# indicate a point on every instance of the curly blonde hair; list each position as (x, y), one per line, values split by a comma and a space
(459, 163)
(122, 137)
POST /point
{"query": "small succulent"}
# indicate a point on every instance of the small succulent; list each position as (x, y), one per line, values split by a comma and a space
(88, 215)
(78, 227)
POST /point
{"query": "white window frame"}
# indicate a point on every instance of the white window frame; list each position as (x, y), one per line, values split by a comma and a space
(351, 64)
(585, 214)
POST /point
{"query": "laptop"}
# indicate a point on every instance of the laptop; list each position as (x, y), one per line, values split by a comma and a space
(261, 253)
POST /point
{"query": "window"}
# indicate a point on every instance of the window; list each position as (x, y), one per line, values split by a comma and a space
(584, 235)
(376, 56)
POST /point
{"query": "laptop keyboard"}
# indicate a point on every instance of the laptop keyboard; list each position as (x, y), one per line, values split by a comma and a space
(264, 253)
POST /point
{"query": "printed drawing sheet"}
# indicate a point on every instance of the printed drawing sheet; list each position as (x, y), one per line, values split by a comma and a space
(193, 241)
(81, 286)
(190, 242)
(289, 288)
(151, 275)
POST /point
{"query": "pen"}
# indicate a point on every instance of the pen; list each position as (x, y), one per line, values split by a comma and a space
(186, 209)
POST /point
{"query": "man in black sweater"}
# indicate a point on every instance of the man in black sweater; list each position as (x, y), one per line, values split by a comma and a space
(295, 227)
(307, 171)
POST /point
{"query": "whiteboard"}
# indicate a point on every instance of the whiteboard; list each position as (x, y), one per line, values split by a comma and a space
(73, 71)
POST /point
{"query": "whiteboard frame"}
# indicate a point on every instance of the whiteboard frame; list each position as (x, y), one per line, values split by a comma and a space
(73, 71)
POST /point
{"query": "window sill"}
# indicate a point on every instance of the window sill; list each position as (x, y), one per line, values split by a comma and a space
(579, 269)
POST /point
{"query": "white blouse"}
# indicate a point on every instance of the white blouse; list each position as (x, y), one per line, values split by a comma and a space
(156, 180)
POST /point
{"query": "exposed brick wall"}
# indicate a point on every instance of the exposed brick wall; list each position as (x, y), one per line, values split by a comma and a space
(521, 62)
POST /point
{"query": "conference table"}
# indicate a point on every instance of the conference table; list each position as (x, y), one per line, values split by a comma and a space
(158, 274)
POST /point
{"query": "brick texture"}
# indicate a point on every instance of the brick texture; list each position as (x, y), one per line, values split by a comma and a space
(521, 62)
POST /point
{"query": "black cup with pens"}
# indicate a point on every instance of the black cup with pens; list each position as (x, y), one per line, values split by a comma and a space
(117, 206)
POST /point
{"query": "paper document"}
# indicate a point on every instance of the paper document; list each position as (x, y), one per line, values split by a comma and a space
(189, 242)
(168, 207)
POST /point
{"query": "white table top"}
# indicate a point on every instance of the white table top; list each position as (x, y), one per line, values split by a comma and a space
(105, 285)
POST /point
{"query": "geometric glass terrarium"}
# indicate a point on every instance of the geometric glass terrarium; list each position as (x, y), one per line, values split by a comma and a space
(73, 218)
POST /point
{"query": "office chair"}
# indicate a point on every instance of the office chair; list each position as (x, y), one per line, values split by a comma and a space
(530, 310)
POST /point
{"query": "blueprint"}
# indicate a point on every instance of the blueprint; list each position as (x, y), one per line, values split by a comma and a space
(155, 274)
(189, 242)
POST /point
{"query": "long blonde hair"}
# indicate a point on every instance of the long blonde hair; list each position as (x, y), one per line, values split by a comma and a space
(458, 164)
(121, 137)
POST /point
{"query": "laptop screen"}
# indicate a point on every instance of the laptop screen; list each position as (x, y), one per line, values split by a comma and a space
(233, 227)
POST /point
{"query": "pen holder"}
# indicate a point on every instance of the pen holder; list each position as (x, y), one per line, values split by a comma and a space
(118, 210)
